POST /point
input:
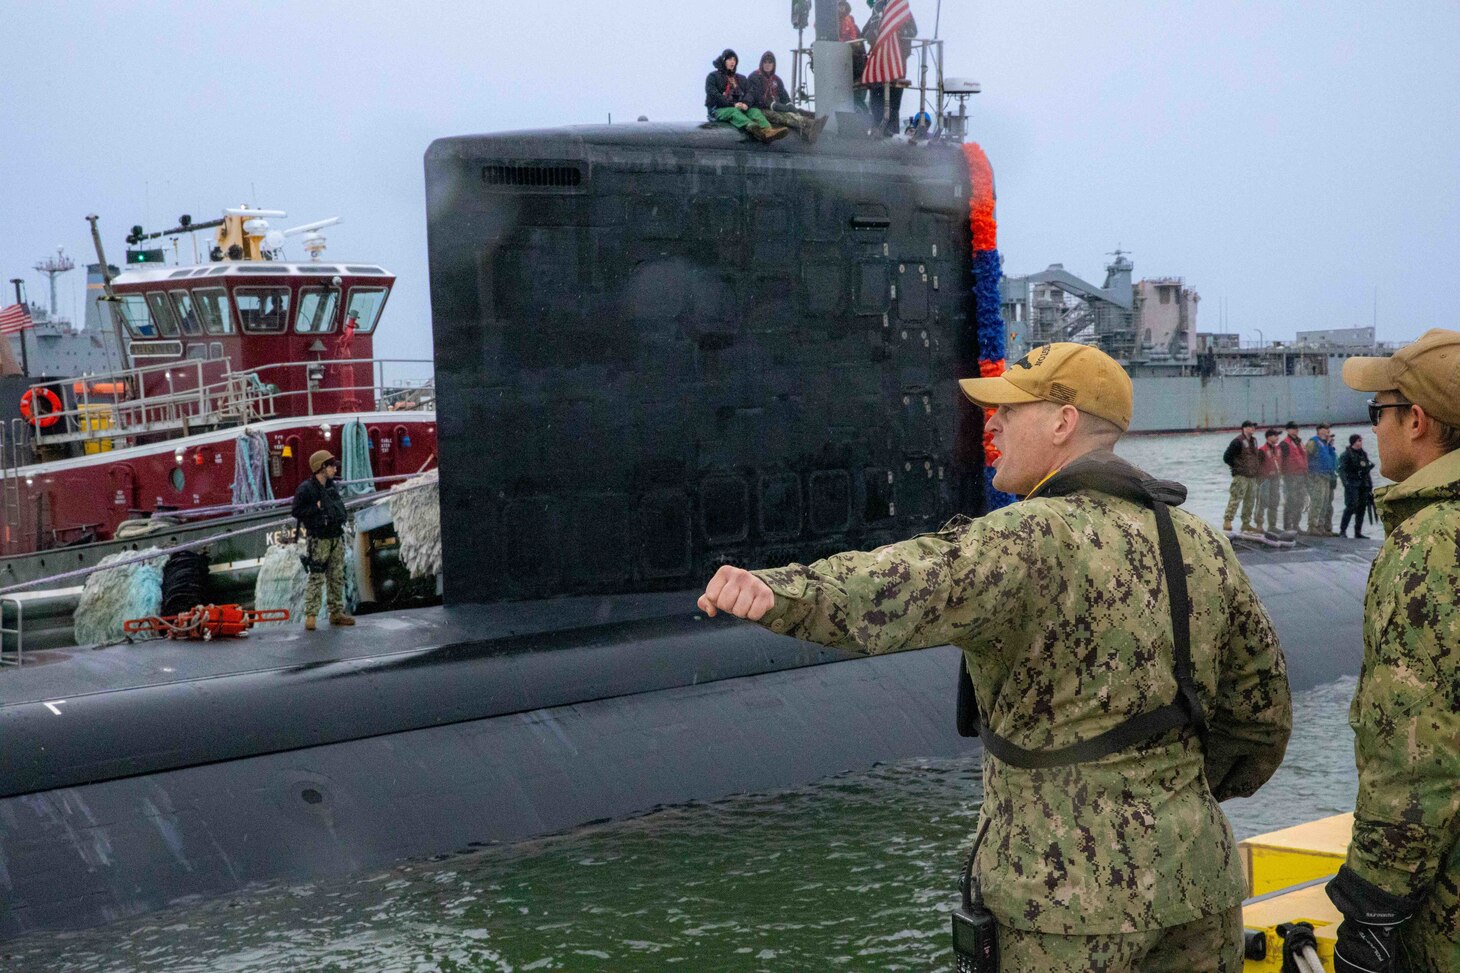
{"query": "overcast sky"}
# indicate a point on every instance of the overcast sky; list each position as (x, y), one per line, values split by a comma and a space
(1286, 158)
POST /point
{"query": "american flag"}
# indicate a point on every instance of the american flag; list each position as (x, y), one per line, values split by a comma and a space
(15, 319)
(886, 62)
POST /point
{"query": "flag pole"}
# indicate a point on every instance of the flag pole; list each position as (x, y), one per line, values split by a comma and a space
(24, 358)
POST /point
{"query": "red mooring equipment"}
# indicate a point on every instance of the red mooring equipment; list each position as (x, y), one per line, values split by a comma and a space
(206, 622)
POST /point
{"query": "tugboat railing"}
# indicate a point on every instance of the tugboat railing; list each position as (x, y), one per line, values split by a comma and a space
(186, 397)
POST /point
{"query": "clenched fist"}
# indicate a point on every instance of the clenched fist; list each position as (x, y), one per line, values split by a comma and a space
(738, 592)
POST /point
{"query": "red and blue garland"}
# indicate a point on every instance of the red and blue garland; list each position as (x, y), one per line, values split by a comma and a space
(986, 271)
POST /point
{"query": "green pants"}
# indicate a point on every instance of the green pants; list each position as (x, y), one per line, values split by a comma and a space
(1211, 944)
(331, 551)
(1320, 503)
(1268, 493)
(1244, 493)
(1295, 499)
(742, 119)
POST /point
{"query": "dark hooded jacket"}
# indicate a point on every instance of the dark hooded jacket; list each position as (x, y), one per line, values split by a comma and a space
(724, 88)
(765, 91)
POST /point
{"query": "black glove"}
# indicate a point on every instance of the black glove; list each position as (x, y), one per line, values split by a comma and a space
(1368, 937)
(1295, 936)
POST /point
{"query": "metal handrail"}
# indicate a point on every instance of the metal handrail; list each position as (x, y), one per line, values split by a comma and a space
(18, 631)
(234, 397)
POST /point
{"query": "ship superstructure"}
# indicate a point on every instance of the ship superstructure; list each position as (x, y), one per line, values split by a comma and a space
(245, 347)
(1185, 378)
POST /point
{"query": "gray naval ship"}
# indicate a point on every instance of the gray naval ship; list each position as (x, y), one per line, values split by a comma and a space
(659, 348)
(53, 346)
(1186, 378)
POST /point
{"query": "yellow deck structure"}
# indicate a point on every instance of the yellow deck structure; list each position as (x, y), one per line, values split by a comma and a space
(1286, 874)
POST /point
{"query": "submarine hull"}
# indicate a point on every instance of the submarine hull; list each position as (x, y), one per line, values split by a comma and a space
(127, 789)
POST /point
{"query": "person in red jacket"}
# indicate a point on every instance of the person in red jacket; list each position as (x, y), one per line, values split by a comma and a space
(848, 33)
(1269, 480)
(1293, 461)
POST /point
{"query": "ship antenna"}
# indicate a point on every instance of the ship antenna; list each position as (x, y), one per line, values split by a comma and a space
(52, 267)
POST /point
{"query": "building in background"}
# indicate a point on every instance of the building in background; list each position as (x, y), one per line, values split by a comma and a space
(1186, 378)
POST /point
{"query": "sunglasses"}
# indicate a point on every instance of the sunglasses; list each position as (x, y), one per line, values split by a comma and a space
(1376, 409)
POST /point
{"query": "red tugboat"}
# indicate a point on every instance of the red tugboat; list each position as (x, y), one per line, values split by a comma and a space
(233, 372)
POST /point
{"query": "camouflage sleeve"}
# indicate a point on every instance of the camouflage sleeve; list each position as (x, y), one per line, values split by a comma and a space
(959, 584)
(1252, 716)
(1406, 717)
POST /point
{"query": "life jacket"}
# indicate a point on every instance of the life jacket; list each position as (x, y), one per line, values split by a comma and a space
(1117, 479)
(1324, 458)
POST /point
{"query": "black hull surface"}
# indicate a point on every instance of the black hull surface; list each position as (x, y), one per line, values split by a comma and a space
(140, 776)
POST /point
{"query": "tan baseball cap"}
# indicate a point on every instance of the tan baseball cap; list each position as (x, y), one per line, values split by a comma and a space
(1064, 372)
(1426, 372)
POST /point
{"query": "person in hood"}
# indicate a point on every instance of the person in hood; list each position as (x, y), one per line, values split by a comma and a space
(1115, 855)
(726, 101)
(1399, 888)
(765, 90)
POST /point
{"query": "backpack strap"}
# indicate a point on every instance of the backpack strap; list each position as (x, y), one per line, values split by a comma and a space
(1184, 710)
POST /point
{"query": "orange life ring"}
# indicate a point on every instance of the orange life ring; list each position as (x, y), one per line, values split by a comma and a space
(46, 419)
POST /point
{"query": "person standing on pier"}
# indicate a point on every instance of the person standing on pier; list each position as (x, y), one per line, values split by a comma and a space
(1399, 889)
(1080, 611)
(1246, 465)
(1358, 485)
(1269, 481)
(1322, 478)
(1293, 461)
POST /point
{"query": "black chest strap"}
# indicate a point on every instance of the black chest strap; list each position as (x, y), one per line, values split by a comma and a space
(1184, 710)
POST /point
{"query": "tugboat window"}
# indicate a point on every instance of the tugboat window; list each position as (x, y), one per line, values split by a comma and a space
(133, 309)
(161, 309)
(186, 316)
(317, 308)
(368, 301)
(212, 307)
(262, 310)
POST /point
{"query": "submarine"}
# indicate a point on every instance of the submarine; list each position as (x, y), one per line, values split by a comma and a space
(658, 349)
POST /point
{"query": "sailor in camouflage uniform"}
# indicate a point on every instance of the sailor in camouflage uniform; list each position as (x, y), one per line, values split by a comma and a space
(1400, 887)
(1059, 602)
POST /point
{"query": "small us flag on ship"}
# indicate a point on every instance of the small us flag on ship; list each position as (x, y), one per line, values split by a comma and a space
(15, 319)
(886, 62)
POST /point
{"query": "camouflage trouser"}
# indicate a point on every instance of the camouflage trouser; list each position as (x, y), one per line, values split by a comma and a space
(1267, 502)
(1211, 944)
(789, 119)
(1320, 503)
(1244, 493)
(1295, 499)
(330, 550)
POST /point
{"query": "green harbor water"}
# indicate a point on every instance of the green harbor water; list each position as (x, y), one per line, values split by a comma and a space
(853, 873)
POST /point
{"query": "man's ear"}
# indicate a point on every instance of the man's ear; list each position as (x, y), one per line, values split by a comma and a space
(1066, 422)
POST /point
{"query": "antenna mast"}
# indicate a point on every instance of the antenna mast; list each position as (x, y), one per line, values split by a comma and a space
(53, 267)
